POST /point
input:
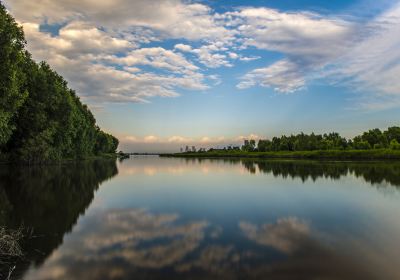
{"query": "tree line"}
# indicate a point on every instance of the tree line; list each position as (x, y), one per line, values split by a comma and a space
(41, 118)
(371, 139)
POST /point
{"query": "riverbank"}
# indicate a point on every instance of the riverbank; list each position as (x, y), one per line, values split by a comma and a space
(377, 154)
(5, 159)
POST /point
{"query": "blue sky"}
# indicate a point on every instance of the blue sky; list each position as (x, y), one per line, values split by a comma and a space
(168, 73)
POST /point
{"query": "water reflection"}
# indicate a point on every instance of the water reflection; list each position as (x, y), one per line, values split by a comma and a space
(379, 173)
(127, 241)
(306, 255)
(47, 202)
(133, 243)
(206, 219)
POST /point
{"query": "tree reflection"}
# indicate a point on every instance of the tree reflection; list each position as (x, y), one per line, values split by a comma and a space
(47, 201)
(373, 172)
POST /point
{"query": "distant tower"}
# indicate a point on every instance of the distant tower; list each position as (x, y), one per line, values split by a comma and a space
(187, 149)
(193, 149)
(181, 149)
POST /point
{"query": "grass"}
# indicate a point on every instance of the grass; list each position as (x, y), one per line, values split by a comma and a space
(376, 154)
(10, 243)
(10, 248)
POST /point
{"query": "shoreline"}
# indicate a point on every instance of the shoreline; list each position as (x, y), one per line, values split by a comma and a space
(357, 155)
(108, 156)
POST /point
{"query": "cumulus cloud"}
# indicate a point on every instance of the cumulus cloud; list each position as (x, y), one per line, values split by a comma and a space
(177, 139)
(282, 76)
(74, 54)
(75, 39)
(100, 48)
(158, 58)
(173, 18)
(362, 56)
(211, 55)
(251, 136)
(292, 33)
(173, 143)
(309, 42)
(183, 47)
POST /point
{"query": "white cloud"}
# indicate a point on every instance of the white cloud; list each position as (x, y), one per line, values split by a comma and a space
(172, 18)
(174, 139)
(211, 55)
(215, 78)
(158, 58)
(364, 56)
(100, 48)
(179, 139)
(309, 42)
(251, 136)
(293, 33)
(249, 58)
(74, 39)
(210, 59)
(78, 55)
(133, 143)
(282, 76)
(212, 140)
(233, 55)
(183, 47)
(373, 65)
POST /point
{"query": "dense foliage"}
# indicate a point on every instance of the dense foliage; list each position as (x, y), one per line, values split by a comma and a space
(372, 139)
(373, 144)
(40, 117)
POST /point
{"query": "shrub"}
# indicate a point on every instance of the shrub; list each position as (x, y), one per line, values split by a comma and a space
(394, 145)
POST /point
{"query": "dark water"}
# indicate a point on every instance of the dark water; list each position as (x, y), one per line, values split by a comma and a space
(159, 218)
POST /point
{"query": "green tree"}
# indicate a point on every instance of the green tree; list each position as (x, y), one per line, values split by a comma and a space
(249, 145)
(394, 145)
(392, 133)
(12, 57)
(375, 136)
(41, 118)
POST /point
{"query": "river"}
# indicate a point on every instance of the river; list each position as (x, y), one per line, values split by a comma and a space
(170, 218)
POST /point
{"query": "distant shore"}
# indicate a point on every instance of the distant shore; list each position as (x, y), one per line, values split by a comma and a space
(377, 154)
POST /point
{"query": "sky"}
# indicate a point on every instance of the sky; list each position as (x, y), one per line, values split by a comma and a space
(163, 74)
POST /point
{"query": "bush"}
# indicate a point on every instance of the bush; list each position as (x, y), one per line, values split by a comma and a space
(362, 145)
(379, 146)
(394, 145)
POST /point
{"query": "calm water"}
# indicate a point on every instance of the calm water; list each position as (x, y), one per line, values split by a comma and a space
(160, 218)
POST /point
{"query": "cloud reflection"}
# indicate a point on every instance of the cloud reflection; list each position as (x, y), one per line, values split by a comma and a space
(312, 255)
(120, 234)
(285, 235)
(118, 242)
(136, 244)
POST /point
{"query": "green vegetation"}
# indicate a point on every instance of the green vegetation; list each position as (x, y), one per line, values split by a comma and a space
(41, 119)
(317, 154)
(373, 144)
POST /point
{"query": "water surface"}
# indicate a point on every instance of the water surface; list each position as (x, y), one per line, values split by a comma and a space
(169, 218)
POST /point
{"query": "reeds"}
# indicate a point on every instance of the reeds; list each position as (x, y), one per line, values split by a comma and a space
(10, 243)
